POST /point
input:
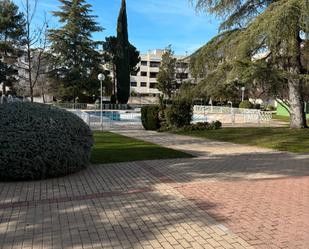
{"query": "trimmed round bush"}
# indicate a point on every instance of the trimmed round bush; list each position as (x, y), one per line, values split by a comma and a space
(150, 117)
(246, 104)
(38, 141)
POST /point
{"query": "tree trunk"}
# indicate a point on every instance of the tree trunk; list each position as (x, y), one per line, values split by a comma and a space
(298, 116)
(3, 88)
(31, 94)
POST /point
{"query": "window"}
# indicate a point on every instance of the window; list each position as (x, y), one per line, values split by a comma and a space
(153, 85)
(153, 75)
(134, 84)
(143, 84)
(154, 64)
(144, 74)
(134, 73)
(144, 63)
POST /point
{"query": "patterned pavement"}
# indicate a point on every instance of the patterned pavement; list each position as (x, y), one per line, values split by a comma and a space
(228, 197)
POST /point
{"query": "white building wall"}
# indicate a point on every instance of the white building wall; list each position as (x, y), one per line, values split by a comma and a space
(145, 85)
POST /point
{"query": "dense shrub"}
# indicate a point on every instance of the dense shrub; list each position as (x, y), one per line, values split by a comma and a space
(150, 117)
(39, 141)
(246, 104)
(179, 114)
(203, 126)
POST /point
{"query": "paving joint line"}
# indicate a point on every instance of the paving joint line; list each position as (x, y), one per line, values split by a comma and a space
(18, 204)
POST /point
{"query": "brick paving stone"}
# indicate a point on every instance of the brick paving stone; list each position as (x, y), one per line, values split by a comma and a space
(177, 203)
(273, 213)
(132, 220)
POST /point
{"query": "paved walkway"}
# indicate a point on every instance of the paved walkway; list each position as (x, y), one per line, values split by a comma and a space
(228, 197)
(260, 194)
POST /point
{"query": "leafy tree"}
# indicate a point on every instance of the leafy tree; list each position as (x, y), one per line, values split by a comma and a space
(272, 31)
(166, 76)
(12, 24)
(123, 57)
(75, 59)
(110, 55)
(35, 39)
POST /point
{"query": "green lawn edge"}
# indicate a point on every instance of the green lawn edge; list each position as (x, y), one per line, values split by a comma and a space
(281, 139)
(111, 148)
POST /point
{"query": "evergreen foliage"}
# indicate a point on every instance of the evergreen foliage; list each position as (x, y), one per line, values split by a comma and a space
(38, 141)
(75, 58)
(246, 104)
(150, 117)
(12, 29)
(110, 46)
(263, 44)
(179, 114)
(123, 57)
(166, 76)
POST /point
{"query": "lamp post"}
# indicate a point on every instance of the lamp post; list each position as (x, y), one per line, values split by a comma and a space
(243, 93)
(232, 111)
(101, 77)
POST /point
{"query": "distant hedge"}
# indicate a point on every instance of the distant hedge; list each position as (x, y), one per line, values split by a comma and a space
(150, 117)
(39, 141)
(246, 104)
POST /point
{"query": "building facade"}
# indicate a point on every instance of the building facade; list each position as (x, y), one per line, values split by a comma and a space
(144, 83)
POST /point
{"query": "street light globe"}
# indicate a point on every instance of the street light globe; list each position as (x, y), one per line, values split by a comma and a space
(101, 77)
(243, 88)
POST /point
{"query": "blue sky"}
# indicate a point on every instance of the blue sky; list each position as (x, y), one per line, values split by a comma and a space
(152, 23)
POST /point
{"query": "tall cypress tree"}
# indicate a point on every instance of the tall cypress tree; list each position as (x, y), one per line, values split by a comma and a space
(76, 60)
(110, 47)
(123, 57)
(12, 28)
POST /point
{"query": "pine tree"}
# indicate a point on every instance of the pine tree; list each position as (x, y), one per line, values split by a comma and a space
(166, 76)
(123, 57)
(76, 60)
(12, 24)
(275, 28)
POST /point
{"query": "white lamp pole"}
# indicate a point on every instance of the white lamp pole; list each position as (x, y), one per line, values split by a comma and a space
(101, 77)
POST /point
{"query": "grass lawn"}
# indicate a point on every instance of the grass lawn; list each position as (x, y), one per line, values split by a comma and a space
(284, 118)
(110, 148)
(283, 139)
(281, 118)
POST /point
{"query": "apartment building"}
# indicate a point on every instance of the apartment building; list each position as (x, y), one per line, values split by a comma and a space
(144, 83)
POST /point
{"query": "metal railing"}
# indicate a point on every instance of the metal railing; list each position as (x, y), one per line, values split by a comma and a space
(85, 106)
(124, 119)
(235, 115)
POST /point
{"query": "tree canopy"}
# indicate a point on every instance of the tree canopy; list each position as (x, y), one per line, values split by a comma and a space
(263, 44)
(12, 30)
(110, 46)
(166, 76)
(75, 57)
(123, 56)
